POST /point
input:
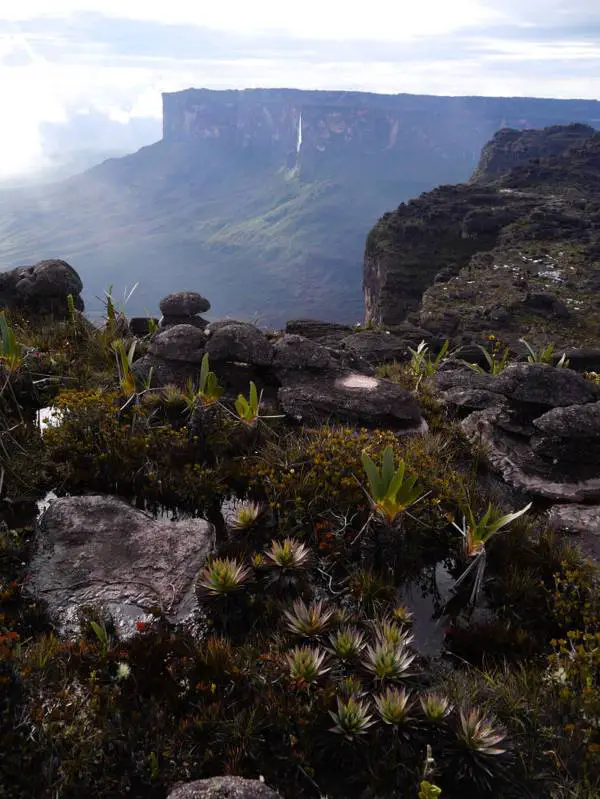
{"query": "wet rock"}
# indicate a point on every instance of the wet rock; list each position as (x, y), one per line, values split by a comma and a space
(353, 399)
(296, 352)
(41, 289)
(179, 343)
(243, 343)
(98, 550)
(141, 325)
(376, 347)
(184, 303)
(582, 520)
(223, 788)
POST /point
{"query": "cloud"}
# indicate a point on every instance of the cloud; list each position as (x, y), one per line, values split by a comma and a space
(110, 59)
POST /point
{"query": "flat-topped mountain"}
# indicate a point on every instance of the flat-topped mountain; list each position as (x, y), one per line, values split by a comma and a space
(516, 249)
(264, 195)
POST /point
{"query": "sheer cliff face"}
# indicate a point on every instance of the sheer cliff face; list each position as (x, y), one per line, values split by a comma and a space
(528, 187)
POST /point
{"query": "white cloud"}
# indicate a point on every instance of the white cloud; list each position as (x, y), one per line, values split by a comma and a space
(394, 20)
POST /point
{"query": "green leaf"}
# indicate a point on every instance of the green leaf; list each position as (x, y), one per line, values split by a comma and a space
(508, 518)
(387, 468)
(373, 477)
(204, 372)
(253, 397)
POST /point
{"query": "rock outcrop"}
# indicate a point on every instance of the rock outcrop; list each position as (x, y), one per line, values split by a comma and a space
(100, 551)
(42, 289)
(183, 308)
(223, 788)
(515, 252)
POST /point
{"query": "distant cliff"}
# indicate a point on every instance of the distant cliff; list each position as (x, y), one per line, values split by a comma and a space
(515, 249)
(262, 198)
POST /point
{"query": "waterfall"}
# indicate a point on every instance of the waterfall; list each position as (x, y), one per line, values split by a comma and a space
(299, 144)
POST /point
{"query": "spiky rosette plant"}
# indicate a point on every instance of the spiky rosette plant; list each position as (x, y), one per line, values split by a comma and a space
(245, 515)
(287, 561)
(480, 755)
(391, 490)
(387, 662)
(221, 578)
(352, 719)
(435, 706)
(394, 706)
(387, 631)
(347, 643)
(307, 664)
(308, 621)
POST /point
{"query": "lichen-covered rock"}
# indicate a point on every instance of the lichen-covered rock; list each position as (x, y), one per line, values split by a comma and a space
(172, 321)
(99, 550)
(161, 372)
(327, 333)
(242, 343)
(570, 438)
(540, 384)
(179, 343)
(223, 788)
(352, 399)
(41, 289)
(184, 303)
(296, 352)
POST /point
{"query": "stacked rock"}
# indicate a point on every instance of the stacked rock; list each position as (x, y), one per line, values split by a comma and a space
(182, 308)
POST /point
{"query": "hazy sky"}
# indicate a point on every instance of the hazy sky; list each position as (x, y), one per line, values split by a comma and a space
(60, 59)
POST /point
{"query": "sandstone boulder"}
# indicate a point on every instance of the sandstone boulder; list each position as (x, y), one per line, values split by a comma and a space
(328, 333)
(179, 343)
(376, 347)
(296, 352)
(184, 303)
(241, 343)
(41, 289)
(161, 372)
(582, 521)
(99, 550)
(141, 325)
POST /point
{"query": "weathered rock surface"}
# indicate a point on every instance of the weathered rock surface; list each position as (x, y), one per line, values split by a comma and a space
(243, 343)
(570, 438)
(162, 372)
(582, 520)
(41, 289)
(223, 788)
(353, 399)
(184, 303)
(98, 550)
(327, 333)
(172, 321)
(180, 343)
(292, 351)
(376, 347)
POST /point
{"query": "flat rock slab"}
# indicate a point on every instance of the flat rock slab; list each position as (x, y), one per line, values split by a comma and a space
(99, 550)
(353, 399)
(582, 520)
(223, 788)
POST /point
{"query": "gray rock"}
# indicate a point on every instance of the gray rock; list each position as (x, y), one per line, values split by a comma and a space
(242, 343)
(217, 324)
(472, 399)
(184, 303)
(140, 325)
(352, 399)
(41, 289)
(296, 352)
(582, 359)
(376, 347)
(179, 343)
(98, 550)
(162, 372)
(223, 788)
(512, 458)
(329, 333)
(172, 321)
(540, 384)
(582, 520)
(568, 433)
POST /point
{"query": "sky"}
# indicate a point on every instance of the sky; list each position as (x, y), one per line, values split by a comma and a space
(88, 74)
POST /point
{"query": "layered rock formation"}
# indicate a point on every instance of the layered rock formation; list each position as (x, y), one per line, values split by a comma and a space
(516, 250)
